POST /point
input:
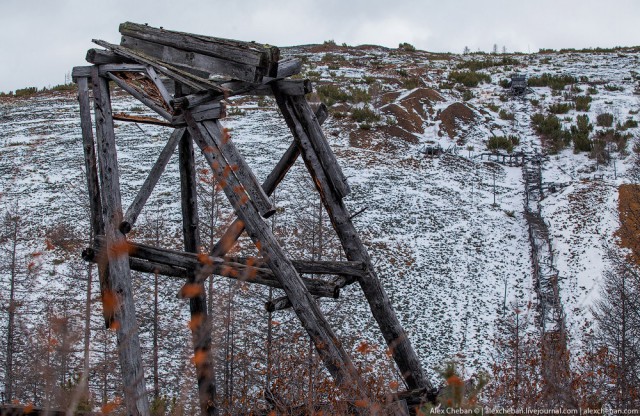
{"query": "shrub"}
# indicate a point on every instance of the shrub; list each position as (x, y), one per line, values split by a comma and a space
(359, 95)
(556, 82)
(26, 92)
(475, 65)
(502, 142)
(468, 78)
(410, 83)
(493, 107)
(504, 83)
(467, 95)
(64, 87)
(364, 115)
(583, 102)
(592, 90)
(604, 119)
(535, 102)
(611, 87)
(628, 124)
(560, 108)
(580, 134)
(331, 94)
(407, 47)
(550, 129)
(506, 115)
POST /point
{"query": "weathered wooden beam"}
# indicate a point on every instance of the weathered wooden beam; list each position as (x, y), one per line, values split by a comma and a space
(270, 184)
(104, 69)
(307, 123)
(278, 304)
(80, 72)
(236, 166)
(153, 76)
(183, 77)
(128, 118)
(92, 255)
(288, 67)
(247, 53)
(213, 111)
(390, 327)
(200, 325)
(353, 269)
(101, 56)
(141, 96)
(222, 69)
(118, 297)
(329, 349)
(174, 263)
(93, 185)
(141, 198)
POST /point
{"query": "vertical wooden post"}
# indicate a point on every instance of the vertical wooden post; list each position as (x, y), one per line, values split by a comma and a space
(197, 300)
(93, 187)
(327, 344)
(118, 296)
(299, 117)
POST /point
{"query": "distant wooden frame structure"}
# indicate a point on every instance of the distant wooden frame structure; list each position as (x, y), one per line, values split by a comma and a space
(205, 71)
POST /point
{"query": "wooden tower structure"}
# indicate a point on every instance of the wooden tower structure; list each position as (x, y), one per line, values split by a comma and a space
(204, 71)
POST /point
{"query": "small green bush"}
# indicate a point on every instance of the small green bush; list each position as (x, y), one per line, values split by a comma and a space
(493, 107)
(467, 95)
(604, 120)
(502, 142)
(475, 65)
(411, 83)
(611, 87)
(364, 115)
(580, 134)
(628, 124)
(468, 78)
(331, 94)
(550, 128)
(407, 47)
(26, 92)
(583, 102)
(504, 83)
(560, 108)
(535, 102)
(556, 82)
(592, 90)
(504, 115)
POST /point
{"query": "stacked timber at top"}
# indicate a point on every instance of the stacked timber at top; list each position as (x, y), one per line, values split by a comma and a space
(205, 56)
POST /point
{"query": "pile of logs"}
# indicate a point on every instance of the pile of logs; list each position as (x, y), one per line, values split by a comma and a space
(184, 79)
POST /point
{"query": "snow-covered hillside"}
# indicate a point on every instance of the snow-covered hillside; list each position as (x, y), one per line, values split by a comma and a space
(451, 259)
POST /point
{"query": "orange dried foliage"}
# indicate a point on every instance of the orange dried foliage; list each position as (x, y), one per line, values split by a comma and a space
(28, 409)
(393, 385)
(455, 381)
(199, 357)
(226, 136)
(109, 302)
(120, 248)
(49, 246)
(364, 348)
(629, 214)
(191, 290)
(362, 403)
(196, 321)
(205, 259)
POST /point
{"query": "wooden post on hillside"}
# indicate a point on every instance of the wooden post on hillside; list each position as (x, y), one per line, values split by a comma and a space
(117, 298)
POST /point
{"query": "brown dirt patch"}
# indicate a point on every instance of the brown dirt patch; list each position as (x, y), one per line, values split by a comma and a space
(629, 213)
(453, 116)
(407, 120)
(386, 139)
